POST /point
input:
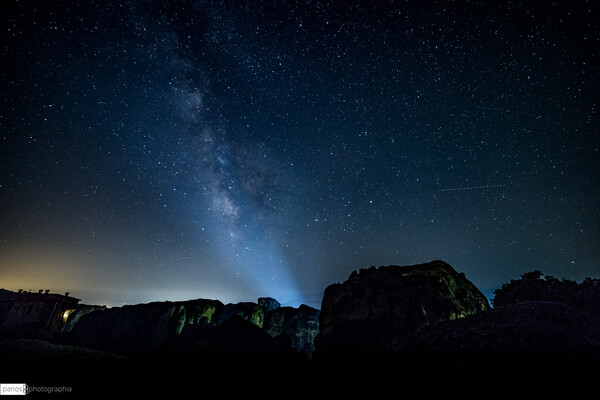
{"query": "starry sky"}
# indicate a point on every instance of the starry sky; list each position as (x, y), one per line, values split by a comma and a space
(169, 150)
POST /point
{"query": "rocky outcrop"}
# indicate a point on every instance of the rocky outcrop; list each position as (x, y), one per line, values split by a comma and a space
(80, 310)
(301, 325)
(140, 328)
(376, 310)
(131, 329)
(249, 311)
(422, 329)
(235, 337)
(268, 303)
(426, 329)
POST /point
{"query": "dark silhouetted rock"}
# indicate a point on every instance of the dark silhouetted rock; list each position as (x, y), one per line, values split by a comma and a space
(139, 328)
(422, 329)
(131, 329)
(300, 324)
(235, 337)
(80, 310)
(252, 312)
(268, 303)
(377, 309)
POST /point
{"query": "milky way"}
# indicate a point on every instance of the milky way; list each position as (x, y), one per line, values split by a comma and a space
(175, 150)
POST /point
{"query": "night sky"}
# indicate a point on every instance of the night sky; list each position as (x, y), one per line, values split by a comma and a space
(155, 150)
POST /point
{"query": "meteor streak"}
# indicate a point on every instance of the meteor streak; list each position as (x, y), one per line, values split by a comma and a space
(471, 188)
(507, 245)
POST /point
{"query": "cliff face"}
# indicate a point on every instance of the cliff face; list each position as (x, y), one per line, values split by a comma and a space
(142, 327)
(235, 338)
(135, 328)
(376, 310)
(80, 310)
(300, 324)
(249, 311)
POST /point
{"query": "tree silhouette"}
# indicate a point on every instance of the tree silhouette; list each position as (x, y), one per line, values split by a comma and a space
(533, 275)
(531, 287)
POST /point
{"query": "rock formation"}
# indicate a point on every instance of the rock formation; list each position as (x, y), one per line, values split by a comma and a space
(300, 324)
(80, 310)
(376, 310)
(428, 330)
(140, 328)
(268, 303)
(421, 329)
(235, 337)
(252, 312)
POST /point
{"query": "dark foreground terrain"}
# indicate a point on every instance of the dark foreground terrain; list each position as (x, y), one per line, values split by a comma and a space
(385, 332)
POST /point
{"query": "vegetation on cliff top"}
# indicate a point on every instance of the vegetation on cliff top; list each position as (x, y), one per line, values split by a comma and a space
(534, 287)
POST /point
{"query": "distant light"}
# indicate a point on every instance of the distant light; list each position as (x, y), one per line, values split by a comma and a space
(66, 314)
